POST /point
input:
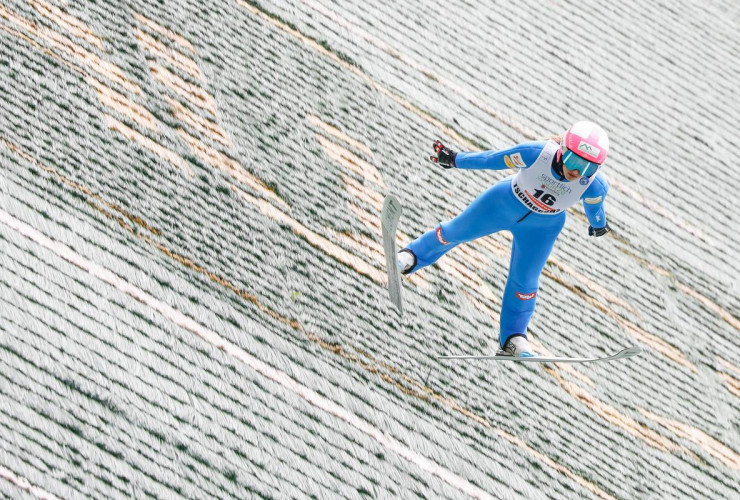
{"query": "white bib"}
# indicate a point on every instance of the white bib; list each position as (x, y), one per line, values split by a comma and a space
(540, 191)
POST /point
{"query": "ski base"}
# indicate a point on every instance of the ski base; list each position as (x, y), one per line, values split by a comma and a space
(389, 222)
(623, 354)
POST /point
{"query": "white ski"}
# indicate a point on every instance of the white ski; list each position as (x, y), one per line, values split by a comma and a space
(389, 222)
(625, 353)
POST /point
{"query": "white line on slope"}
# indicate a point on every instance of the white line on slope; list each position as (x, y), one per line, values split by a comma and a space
(23, 484)
(266, 370)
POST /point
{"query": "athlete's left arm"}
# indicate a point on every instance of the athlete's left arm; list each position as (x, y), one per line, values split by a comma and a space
(593, 205)
(520, 156)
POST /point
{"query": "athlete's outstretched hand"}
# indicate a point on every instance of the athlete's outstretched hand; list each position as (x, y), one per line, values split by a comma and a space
(445, 156)
(592, 231)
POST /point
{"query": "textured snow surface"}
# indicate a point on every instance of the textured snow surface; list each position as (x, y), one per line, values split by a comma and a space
(192, 295)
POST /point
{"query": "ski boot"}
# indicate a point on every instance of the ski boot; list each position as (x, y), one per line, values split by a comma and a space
(517, 345)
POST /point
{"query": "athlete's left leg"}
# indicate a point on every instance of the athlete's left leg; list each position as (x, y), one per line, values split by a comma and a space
(495, 209)
(534, 238)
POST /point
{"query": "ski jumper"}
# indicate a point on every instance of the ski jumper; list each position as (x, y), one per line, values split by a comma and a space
(530, 204)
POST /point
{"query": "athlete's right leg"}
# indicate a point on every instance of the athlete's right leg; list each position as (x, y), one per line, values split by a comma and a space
(492, 211)
(533, 241)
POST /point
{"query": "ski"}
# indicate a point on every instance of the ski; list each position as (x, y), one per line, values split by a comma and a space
(623, 354)
(389, 222)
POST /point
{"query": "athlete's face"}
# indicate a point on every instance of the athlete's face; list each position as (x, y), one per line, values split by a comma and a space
(571, 175)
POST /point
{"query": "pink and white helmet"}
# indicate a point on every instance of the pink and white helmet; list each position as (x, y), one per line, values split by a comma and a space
(584, 147)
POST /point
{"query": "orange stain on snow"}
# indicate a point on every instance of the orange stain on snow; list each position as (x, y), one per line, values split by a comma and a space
(191, 93)
(553, 464)
(711, 305)
(565, 367)
(79, 187)
(166, 32)
(62, 46)
(404, 383)
(365, 191)
(429, 72)
(219, 160)
(170, 56)
(614, 417)
(65, 47)
(202, 125)
(338, 134)
(122, 104)
(592, 285)
(149, 144)
(628, 327)
(733, 384)
(656, 208)
(315, 46)
(352, 162)
(726, 316)
(75, 26)
(710, 445)
(732, 379)
(655, 343)
(315, 239)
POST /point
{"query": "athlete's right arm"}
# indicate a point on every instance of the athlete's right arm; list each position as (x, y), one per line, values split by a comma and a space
(520, 156)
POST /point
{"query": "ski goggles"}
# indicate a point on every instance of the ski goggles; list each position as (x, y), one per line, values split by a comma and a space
(574, 162)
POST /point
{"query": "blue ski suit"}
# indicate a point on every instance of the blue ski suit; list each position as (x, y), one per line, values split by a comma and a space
(509, 205)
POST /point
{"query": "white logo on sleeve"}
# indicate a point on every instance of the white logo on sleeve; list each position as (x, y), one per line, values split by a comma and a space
(518, 161)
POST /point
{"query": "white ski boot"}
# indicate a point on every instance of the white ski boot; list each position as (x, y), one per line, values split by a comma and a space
(517, 346)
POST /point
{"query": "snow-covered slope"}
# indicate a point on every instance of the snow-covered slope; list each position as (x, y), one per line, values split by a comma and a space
(192, 294)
